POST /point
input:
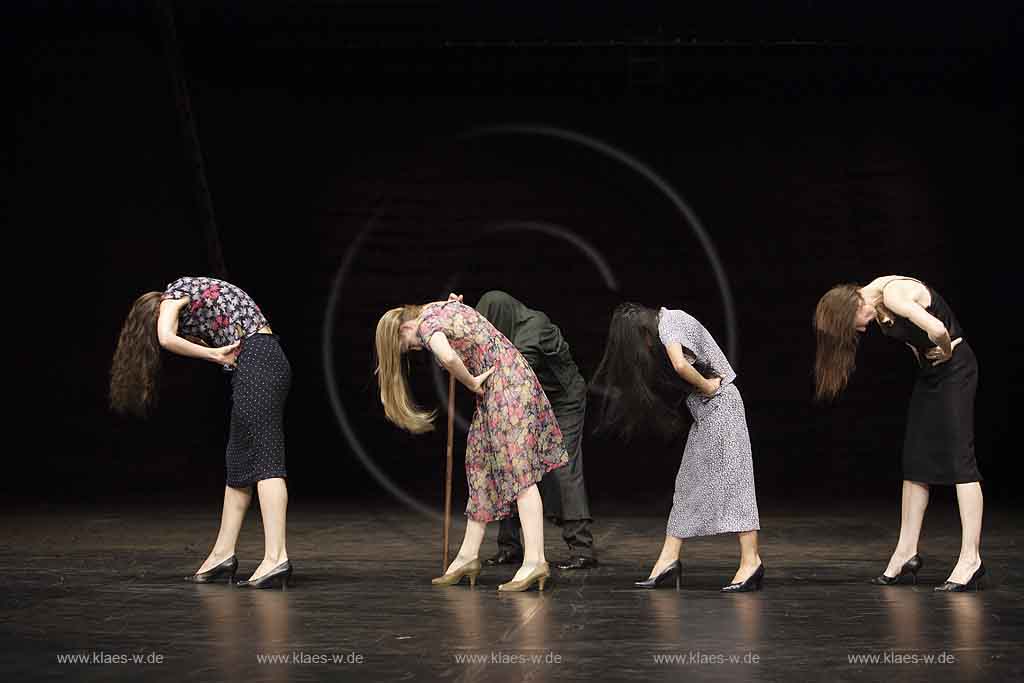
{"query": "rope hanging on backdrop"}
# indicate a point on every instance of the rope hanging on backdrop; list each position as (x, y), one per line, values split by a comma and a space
(204, 203)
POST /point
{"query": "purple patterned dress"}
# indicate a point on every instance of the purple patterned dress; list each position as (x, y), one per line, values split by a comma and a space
(715, 484)
(514, 438)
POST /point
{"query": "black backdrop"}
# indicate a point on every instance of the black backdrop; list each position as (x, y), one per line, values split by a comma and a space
(814, 145)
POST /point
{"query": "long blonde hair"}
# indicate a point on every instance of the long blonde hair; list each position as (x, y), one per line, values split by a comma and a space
(834, 326)
(136, 366)
(399, 407)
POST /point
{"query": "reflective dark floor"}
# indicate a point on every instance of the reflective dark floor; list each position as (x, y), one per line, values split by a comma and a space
(105, 584)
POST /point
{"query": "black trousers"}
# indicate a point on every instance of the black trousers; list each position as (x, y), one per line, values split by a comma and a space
(562, 492)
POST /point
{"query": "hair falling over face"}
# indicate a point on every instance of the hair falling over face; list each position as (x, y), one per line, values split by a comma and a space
(634, 379)
(136, 366)
(837, 339)
(399, 408)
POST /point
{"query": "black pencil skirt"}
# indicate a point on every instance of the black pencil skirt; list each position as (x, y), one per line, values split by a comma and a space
(939, 443)
(259, 388)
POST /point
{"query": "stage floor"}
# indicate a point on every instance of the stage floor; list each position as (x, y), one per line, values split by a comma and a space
(103, 584)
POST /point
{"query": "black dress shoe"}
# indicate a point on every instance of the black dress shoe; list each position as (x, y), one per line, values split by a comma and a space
(504, 557)
(674, 570)
(277, 577)
(577, 562)
(227, 567)
(972, 583)
(911, 566)
(753, 582)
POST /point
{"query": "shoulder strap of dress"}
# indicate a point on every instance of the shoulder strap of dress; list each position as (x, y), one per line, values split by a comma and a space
(902, 278)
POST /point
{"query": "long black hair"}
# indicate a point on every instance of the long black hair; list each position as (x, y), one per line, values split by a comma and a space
(635, 381)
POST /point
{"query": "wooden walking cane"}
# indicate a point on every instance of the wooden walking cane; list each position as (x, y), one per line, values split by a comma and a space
(448, 472)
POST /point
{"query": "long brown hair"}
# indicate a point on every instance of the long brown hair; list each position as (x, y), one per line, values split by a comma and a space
(136, 366)
(399, 407)
(834, 326)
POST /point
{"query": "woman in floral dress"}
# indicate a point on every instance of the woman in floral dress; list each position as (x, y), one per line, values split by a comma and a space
(514, 438)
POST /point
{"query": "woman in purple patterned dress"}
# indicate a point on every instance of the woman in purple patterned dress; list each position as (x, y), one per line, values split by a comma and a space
(214, 320)
(514, 438)
(647, 354)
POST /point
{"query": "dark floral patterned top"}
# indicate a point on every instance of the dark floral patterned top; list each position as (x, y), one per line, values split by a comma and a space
(218, 312)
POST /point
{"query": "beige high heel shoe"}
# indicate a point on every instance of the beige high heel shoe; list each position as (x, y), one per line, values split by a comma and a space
(470, 569)
(539, 575)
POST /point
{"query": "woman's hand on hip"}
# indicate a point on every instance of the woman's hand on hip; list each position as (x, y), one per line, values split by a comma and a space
(937, 356)
(225, 355)
(478, 382)
(710, 386)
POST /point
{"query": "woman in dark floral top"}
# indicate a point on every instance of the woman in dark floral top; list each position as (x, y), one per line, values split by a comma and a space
(218, 312)
(213, 320)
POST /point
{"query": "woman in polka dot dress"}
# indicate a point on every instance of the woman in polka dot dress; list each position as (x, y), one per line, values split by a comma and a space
(213, 320)
(714, 489)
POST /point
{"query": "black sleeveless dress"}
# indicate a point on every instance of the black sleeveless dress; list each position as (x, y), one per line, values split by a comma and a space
(939, 444)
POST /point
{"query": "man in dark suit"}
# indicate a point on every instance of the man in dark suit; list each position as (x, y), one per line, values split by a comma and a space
(562, 490)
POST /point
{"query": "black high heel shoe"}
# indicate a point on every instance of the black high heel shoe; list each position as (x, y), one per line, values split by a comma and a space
(504, 557)
(673, 570)
(972, 583)
(753, 582)
(278, 577)
(911, 566)
(228, 566)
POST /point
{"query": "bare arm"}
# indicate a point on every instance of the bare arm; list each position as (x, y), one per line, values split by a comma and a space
(446, 355)
(900, 302)
(688, 373)
(167, 333)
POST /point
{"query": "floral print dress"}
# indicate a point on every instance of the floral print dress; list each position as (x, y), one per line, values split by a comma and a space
(514, 438)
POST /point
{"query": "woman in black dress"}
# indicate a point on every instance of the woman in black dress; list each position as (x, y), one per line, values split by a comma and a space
(939, 443)
(215, 321)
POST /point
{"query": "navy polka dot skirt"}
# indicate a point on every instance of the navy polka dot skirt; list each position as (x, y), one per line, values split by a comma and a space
(259, 387)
